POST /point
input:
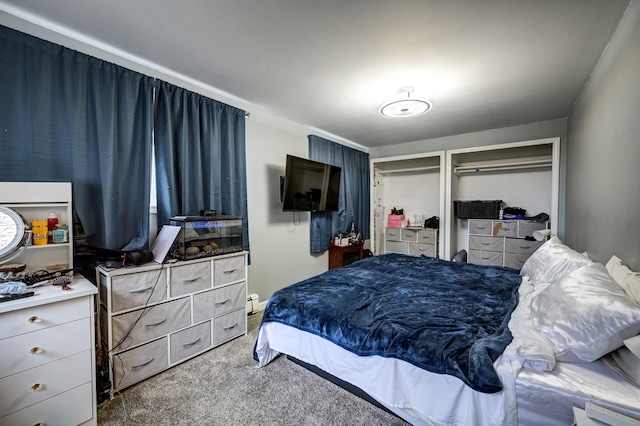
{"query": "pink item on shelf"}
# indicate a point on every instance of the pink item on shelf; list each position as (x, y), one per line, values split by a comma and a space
(395, 220)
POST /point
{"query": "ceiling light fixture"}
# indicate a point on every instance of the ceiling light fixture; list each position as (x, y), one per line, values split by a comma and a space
(405, 104)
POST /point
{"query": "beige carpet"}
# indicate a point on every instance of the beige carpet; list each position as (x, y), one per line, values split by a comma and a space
(224, 387)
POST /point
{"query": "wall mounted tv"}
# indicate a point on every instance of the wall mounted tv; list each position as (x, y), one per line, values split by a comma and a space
(310, 185)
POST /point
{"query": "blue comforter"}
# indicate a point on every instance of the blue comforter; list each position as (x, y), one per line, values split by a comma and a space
(445, 317)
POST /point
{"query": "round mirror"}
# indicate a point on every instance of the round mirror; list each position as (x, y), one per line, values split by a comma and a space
(12, 230)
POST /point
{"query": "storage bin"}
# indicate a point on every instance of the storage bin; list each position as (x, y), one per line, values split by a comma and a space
(203, 236)
(395, 220)
(479, 209)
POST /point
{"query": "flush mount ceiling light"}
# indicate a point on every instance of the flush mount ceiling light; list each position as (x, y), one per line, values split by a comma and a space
(405, 104)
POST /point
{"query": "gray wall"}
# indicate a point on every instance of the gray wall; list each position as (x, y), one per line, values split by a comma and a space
(603, 152)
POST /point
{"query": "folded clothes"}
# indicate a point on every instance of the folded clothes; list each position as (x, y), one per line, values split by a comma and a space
(13, 287)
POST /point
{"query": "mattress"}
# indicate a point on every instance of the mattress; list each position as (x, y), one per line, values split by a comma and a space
(530, 396)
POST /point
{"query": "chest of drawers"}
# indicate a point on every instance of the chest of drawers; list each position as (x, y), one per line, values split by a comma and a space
(502, 242)
(412, 241)
(153, 317)
(48, 357)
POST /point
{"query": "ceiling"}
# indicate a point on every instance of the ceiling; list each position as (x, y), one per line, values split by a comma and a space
(329, 64)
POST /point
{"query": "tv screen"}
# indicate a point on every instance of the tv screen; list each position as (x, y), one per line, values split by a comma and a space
(310, 185)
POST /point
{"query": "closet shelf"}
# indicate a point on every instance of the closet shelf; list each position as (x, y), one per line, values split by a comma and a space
(409, 170)
(517, 164)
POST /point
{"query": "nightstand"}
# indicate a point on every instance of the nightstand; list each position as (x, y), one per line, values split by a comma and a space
(343, 256)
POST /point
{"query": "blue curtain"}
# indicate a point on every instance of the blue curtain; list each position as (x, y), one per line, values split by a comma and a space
(353, 205)
(69, 117)
(200, 156)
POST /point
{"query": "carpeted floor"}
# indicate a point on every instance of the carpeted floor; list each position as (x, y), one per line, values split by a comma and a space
(224, 387)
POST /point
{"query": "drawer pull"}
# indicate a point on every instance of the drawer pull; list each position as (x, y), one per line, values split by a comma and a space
(191, 343)
(36, 387)
(485, 244)
(34, 319)
(155, 323)
(480, 227)
(525, 247)
(231, 271)
(485, 258)
(35, 350)
(231, 326)
(144, 363)
(191, 280)
(223, 302)
(140, 290)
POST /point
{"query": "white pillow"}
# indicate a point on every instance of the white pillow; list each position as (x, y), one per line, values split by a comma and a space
(628, 280)
(552, 261)
(585, 315)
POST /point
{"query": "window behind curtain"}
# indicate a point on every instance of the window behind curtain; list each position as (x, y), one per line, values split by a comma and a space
(200, 156)
(353, 204)
(66, 116)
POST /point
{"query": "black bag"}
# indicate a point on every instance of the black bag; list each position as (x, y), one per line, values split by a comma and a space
(433, 222)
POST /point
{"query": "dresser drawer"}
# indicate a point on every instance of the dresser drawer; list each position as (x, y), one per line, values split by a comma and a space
(505, 228)
(521, 246)
(228, 270)
(156, 321)
(190, 341)
(73, 407)
(29, 350)
(219, 301)
(515, 261)
(190, 278)
(428, 236)
(44, 316)
(486, 243)
(480, 227)
(132, 366)
(392, 234)
(526, 229)
(409, 234)
(229, 326)
(46, 381)
(416, 249)
(396, 247)
(137, 290)
(481, 257)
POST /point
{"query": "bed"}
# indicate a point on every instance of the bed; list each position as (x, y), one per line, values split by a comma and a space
(451, 343)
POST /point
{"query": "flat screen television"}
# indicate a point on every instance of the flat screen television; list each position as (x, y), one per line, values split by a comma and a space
(310, 186)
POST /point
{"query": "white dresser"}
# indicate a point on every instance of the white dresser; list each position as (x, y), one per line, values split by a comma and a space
(153, 316)
(502, 242)
(47, 357)
(412, 241)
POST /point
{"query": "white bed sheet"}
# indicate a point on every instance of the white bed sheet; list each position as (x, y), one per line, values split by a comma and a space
(530, 396)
